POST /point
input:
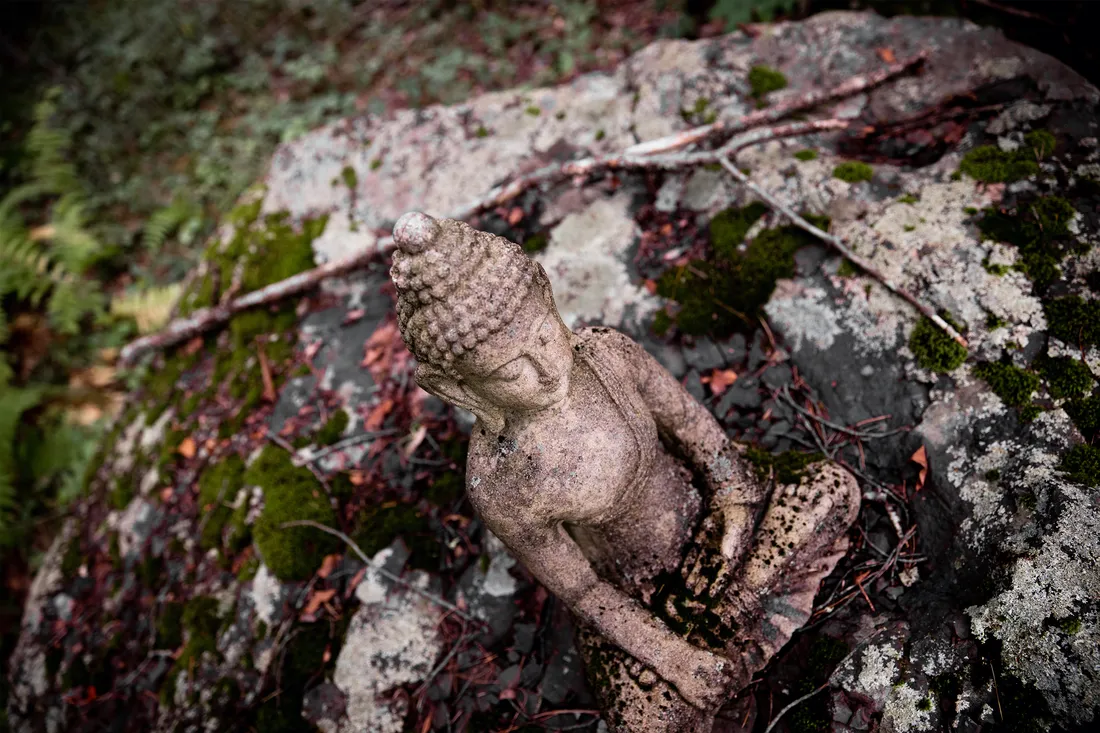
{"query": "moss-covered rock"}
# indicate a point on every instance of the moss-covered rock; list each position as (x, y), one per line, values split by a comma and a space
(990, 164)
(218, 486)
(290, 493)
(1009, 382)
(764, 80)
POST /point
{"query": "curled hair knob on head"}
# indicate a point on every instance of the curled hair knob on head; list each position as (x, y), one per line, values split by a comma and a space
(415, 231)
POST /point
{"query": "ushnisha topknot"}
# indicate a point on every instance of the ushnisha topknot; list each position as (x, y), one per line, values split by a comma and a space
(455, 286)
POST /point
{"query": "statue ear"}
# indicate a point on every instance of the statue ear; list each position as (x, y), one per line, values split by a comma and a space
(458, 393)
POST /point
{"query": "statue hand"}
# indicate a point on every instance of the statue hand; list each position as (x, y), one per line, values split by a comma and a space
(704, 679)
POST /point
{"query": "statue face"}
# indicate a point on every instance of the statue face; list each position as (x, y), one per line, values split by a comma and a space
(524, 366)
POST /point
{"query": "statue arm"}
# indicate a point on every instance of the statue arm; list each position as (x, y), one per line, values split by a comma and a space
(690, 428)
(557, 562)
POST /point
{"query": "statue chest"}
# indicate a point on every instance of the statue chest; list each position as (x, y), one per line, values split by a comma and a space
(593, 455)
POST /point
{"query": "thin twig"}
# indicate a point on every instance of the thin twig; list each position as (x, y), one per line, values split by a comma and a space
(776, 112)
(381, 570)
(301, 459)
(839, 245)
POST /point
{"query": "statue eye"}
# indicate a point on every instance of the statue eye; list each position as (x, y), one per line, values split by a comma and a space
(510, 371)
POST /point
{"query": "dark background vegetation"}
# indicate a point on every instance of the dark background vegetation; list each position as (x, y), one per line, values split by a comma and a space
(128, 126)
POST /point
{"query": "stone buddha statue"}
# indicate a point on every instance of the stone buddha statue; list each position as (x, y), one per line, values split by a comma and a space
(613, 486)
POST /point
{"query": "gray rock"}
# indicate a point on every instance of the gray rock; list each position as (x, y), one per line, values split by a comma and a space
(777, 376)
(704, 355)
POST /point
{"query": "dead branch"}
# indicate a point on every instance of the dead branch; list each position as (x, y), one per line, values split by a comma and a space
(204, 319)
(839, 245)
(776, 112)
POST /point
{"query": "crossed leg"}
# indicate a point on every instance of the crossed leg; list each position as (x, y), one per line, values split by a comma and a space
(745, 611)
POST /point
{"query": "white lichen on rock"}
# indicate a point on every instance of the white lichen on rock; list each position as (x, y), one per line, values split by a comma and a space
(392, 640)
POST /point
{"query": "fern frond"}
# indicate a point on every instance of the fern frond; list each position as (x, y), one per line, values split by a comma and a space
(73, 244)
(165, 221)
(13, 403)
(70, 302)
(150, 308)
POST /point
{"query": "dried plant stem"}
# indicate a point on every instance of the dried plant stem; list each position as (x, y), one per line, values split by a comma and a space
(839, 245)
(776, 112)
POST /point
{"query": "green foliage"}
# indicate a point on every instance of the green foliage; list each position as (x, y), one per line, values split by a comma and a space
(853, 171)
(764, 80)
(934, 349)
(1085, 414)
(291, 493)
(807, 154)
(218, 486)
(990, 164)
(723, 294)
(379, 525)
(734, 12)
(908, 199)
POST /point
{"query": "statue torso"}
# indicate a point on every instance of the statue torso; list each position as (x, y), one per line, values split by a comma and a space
(596, 464)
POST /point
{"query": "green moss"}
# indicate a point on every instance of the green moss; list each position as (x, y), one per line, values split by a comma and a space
(248, 571)
(764, 80)
(218, 485)
(909, 228)
(806, 154)
(788, 466)
(72, 559)
(290, 493)
(908, 199)
(970, 210)
(1082, 464)
(560, 115)
(122, 493)
(1070, 626)
(934, 349)
(536, 242)
(662, 321)
(1085, 414)
(351, 179)
(723, 295)
(446, 489)
(1074, 320)
(699, 113)
(993, 322)
(481, 131)
(729, 227)
(993, 475)
(170, 626)
(376, 164)
(600, 135)
(990, 164)
(1038, 231)
(334, 429)
(1011, 383)
(379, 525)
(853, 171)
(200, 616)
(533, 110)
(1030, 412)
(994, 269)
(1066, 376)
(847, 269)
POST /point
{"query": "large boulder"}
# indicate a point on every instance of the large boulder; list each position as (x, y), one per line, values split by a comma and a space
(176, 599)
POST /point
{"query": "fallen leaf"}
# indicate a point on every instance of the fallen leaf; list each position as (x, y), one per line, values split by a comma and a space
(328, 565)
(353, 315)
(379, 349)
(166, 494)
(721, 379)
(378, 414)
(192, 347)
(312, 349)
(886, 55)
(269, 394)
(515, 216)
(921, 459)
(187, 447)
(651, 286)
(357, 478)
(316, 599)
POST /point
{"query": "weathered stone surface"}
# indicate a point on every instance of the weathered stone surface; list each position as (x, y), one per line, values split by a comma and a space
(1002, 614)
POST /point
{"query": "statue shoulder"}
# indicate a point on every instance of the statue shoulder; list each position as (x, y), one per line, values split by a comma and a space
(611, 346)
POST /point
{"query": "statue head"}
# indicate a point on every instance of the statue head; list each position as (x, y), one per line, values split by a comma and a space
(479, 316)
